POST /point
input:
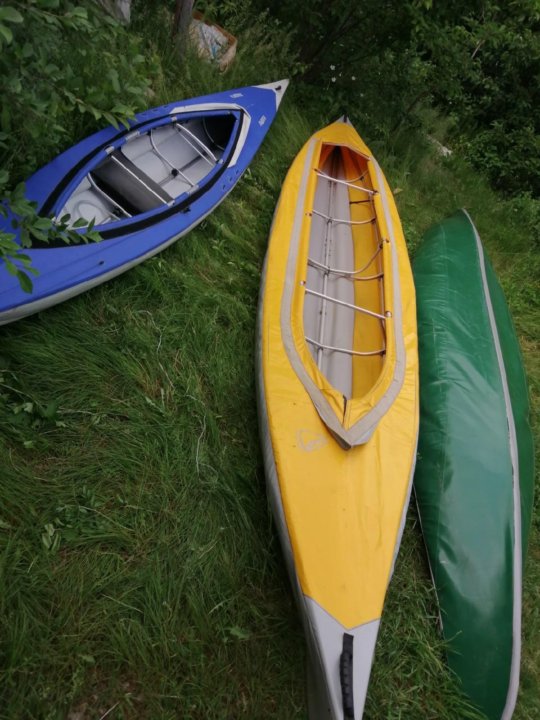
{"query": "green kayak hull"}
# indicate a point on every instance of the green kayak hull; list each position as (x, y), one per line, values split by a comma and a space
(475, 471)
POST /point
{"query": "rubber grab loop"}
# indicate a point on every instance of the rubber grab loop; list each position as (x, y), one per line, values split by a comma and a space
(346, 676)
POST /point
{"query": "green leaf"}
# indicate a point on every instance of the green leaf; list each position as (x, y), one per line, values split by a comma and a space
(26, 240)
(50, 538)
(113, 74)
(95, 112)
(50, 410)
(18, 193)
(237, 632)
(25, 282)
(6, 33)
(110, 118)
(80, 12)
(42, 223)
(38, 234)
(9, 14)
(93, 236)
(11, 267)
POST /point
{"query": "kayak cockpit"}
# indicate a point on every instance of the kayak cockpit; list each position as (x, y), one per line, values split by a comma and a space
(151, 169)
(344, 305)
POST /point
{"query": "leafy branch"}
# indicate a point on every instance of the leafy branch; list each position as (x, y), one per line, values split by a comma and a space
(56, 84)
(29, 227)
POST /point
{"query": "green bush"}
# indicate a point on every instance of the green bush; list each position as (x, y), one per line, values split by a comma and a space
(385, 63)
(65, 70)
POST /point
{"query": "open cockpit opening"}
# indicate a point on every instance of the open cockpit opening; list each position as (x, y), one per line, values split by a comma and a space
(151, 169)
(344, 309)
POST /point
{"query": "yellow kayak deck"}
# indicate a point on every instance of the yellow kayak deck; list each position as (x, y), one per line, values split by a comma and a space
(339, 374)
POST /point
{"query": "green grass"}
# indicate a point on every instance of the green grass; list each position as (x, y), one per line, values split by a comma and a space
(140, 569)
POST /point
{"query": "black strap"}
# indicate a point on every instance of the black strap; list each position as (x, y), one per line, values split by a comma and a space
(346, 676)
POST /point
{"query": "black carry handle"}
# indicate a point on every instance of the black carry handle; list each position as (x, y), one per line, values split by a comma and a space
(346, 676)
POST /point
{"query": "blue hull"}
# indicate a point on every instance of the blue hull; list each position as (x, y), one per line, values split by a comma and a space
(69, 270)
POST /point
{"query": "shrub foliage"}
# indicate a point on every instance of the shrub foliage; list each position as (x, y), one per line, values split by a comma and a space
(65, 70)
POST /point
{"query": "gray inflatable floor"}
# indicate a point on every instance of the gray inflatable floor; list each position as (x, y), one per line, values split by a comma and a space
(332, 244)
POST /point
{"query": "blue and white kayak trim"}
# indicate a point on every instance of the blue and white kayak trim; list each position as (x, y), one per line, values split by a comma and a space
(144, 187)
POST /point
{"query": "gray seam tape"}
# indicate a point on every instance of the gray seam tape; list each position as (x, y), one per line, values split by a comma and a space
(513, 685)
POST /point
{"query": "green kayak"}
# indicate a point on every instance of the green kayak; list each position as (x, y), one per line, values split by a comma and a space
(474, 475)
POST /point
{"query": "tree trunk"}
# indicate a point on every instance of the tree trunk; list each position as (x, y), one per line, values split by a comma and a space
(182, 18)
(411, 107)
(332, 35)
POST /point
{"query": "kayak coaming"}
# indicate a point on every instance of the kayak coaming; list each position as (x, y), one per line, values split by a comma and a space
(177, 203)
(340, 551)
(69, 270)
(352, 421)
(470, 361)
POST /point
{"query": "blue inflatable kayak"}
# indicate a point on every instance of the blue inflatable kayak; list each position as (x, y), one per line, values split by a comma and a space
(143, 187)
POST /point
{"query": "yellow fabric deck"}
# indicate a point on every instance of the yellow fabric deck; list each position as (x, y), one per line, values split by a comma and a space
(343, 508)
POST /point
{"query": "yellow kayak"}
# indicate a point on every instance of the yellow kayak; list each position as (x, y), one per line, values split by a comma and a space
(338, 402)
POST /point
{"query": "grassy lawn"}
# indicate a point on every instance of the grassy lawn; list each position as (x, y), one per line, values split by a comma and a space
(140, 569)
